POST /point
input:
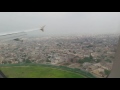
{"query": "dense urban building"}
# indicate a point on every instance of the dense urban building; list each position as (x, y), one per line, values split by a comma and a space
(93, 53)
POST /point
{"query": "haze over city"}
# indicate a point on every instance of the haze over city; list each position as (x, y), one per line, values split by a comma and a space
(60, 23)
(84, 44)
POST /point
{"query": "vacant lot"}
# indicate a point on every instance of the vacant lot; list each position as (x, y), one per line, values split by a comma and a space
(38, 72)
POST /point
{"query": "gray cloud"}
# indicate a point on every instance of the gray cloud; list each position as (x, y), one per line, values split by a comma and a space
(61, 22)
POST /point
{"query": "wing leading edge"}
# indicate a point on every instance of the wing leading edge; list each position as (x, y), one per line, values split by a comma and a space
(12, 33)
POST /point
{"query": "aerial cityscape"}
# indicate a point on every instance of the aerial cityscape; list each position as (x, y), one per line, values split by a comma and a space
(94, 54)
(59, 44)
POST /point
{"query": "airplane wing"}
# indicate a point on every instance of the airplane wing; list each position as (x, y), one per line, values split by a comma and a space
(42, 28)
(13, 35)
(18, 32)
(24, 31)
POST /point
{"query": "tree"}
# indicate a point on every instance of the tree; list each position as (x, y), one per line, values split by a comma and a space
(5, 62)
(74, 52)
(86, 59)
(107, 72)
(49, 56)
(48, 60)
(89, 46)
(27, 61)
(80, 61)
(108, 60)
(9, 62)
(97, 61)
(91, 57)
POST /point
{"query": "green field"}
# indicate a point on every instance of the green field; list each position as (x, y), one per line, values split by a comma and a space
(40, 71)
(37, 72)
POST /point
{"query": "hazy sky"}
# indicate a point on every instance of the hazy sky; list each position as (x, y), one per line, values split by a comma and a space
(61, 22)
